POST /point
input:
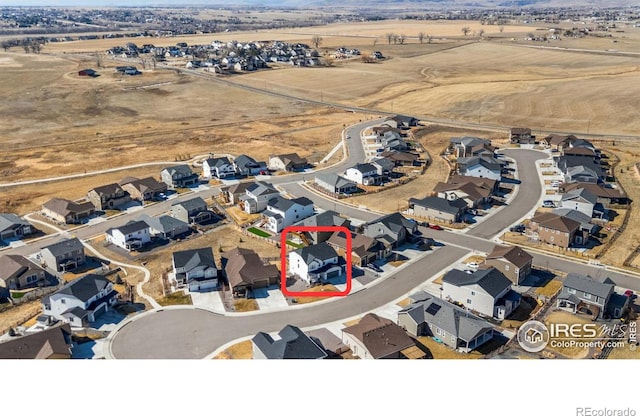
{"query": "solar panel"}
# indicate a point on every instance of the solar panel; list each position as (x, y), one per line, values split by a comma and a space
(433, 309)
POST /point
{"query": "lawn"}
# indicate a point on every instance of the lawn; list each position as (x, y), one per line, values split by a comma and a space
(245, 305)
(549, 289)
(176, 298)
(294, 245)
(404, 302)
(240, 351)
(259, 232)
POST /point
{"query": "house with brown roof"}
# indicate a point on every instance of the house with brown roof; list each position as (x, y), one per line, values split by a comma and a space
(375, 337)
(604, 195)
(473, 195)
(513, 262)
(109, 196)
(521, 135)
(51, 343)
(245, 271)
(67, 212)
(556, 230)
(233, 192)
(482, 182)
(364, 250)
(144, 189)
(288, 162)
(402, 158)
(16, 272)
(557, 141)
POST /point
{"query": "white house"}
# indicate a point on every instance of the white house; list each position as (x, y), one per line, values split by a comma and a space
(80, 301)
(281, 212)
(579, 199)
(131, 236)
(195, 269)
(486, 291)
(363, 173)
(480, 167)
(219, 167)
(257, 196)
(316, 263)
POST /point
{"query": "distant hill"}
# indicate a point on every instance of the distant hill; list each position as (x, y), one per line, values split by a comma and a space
(449, 4)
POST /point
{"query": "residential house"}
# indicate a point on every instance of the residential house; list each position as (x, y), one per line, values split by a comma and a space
(192, 211)
(480, 167)
(144, 189)
(51, 343)
(521, 135)
(218, 167)
(257, 197)
(474, 196)
(316, 264)
(392, 141)
(291, 343)
(580, 151)
(585, 294)
(392, 229)
(179, 176)
(19, 273)
(454, 326)
(580, 169)
(110, 196)
(165, 226)
(247, 166)
(131, 236)
(245, 271)
(486, 291)
(511, 261)
(12, 226)
(556, 230)
(325, 219)
(282, 212)
(290, 162)
(380, 130)
(440, 209)
(81, 301)
(364, 250)
(587, 227)
(384, 166)
(581, 174)
(557, 141)
(402, 158)
(375, 337)
(364, 174)
(67, 212)
(581, 200)
(233, 192)
(403, 122)
(470, 146)
(195, 269)
(481, 182)
(63, 256)
(335, 184)
(605, 195)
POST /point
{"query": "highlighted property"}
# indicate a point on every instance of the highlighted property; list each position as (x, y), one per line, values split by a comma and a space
(300, 230)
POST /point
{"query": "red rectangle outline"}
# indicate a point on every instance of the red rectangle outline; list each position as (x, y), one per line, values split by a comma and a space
(283, 260)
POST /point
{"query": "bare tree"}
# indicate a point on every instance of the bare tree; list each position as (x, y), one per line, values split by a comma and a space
(429, 38)
(481, 32)
(501, 28)
(316, 40)
(390, 36)
(421, 37)
(395, 39)
(375, 41)
(401, 39)
(98, 60)
(466, 30)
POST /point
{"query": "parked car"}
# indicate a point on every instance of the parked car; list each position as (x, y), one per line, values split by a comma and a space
(548, 204)
(265, 172)
(375, 267)
(435, 227)
(555, 184)
(517, 228)
(423, 224)
(629, 293)
(473, 265)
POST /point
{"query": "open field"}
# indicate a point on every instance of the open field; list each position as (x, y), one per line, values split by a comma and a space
(563, 317)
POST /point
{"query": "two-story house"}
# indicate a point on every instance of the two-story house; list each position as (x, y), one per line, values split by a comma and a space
(144, 189)
(192, 211)
(63, 256)
(363, 174)
(131, 236)
(480, 167)
(247, 166)
(559, 231)
(521, 135)
(195, 269)
(291, 162)
(486, 291)
(179, 176)
(80, 301)
(108, 197)
(364, 250)
(218, 167)
(12, 226)
(282, 212)
(375, 337)
(246, 271)
(19, 273)
(581, 200)
(585, 294)
(392, 230)
(257, 197)
(67, 212)
(316, 264)
(324, 219)
(513, 262)
(448, 210)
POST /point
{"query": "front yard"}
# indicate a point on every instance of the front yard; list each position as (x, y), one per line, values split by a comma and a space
(315, 289)
(241, 351)
(176, 298)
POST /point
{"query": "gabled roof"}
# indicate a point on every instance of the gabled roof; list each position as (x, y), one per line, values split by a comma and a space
(468, 141)
(262, 188)
(55, 341)
(384, 162)
(325, 219)
(293, 344)
(394, 222)
(291, 158)
(11, 220)
(556, 222)
(364, 167)
(184, 170)
(520, 130)
(588, 284)
(109, 189)
(244, 161)
(238, 188)
(594, 188)
(217, 162)
(85, 287)
(580, 195)
(243, 265)
(283, 204)
(489, 163)
(490, 280)
(360, 243)
(581, 151)
(565, 163)
(440, 204)
(475, 192)
(192, 204)
(444, 315)
(147, 184)
(334, 180)
(14, 266)
(380, 336)
(514, 255)
(484, 182)
(163, 223)
(130, 227)
(321, 251)
(399, 156)
(63, 247)
(65, 207)
(556, 139)
(581, 217)
(190, 259)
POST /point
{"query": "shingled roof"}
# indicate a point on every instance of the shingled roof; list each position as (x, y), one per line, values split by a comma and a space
(53, 342)
(293, 344)
(514, 255)
(381, 336)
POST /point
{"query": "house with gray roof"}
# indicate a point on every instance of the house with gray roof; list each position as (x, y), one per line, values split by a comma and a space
(440, 209)
(17, 272)
(586, 226)
(364, 174)
(335, 184)
(325, 219)
(232, 193)
(282, 212)
(316, 263)
(480, 167)
(218, 167)
(375, 337)
(291, 343)
(247, 166)
(67, 212)
(50, 343)
(132, 236)
(257, 197)
(581, 200)
(192, 211)
(486, 291)
(179, 176)
(585, 294)
(454, 326)
(110, 196)
(392, 230)
(246, 271)
(63, 256)
(468, 146)
(12, 226)
(165, 226)
(80, 301)
(195, 269)
(580, 169)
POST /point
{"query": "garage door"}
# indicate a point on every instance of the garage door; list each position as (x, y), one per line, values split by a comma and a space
(334, 273)
(261, 283)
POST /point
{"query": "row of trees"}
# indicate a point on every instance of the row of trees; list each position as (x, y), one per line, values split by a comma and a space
(29, 45)
(401, 38)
